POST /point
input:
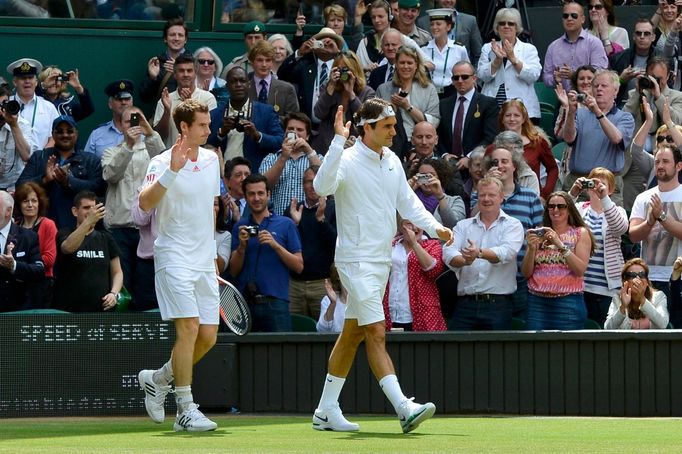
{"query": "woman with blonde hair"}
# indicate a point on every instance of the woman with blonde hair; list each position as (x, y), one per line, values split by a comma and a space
(53, 85)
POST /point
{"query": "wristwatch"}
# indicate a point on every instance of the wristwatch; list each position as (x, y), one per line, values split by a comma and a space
(480, 254)
(662, 217)
(565, 251)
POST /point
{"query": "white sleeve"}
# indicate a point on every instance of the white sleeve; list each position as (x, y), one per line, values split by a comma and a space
(328, 177)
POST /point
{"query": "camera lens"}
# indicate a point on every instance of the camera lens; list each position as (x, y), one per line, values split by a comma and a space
(11, 106)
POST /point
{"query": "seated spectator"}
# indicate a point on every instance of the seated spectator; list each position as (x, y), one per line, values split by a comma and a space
(54, 87)
(160, 68)
(483, 255)
(347, 87)
(64, 171)
(145, 291)
(208, 66)
(411, 300)
(282, 50)
(443, 51)
(333, 305)
(607, 222)
(20, 263)
(369, 50)
(16, 143)
(223, 237)
(264, 85)
(31, 204)
(638, 305)
(110, 134)
(555, 263)
(89, 275)
(602, 24)
(426, 181)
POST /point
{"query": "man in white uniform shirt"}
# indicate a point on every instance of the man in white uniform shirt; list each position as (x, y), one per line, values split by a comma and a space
(181, 184)
(369, 185)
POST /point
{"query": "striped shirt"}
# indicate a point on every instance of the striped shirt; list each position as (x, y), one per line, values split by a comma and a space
(595, 276)
(290, 183)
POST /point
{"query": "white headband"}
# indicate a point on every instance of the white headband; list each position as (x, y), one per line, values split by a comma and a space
(387, 112)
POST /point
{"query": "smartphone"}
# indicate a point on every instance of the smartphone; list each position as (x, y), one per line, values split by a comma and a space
(134, 119)
(291, 136)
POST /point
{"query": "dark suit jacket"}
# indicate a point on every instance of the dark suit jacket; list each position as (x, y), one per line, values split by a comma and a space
(14, 294)
(477, 129)
(281, 96)
(267, 123)
(301, 74)
(377, 76)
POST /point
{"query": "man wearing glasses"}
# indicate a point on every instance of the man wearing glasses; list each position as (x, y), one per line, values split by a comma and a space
(576, 47)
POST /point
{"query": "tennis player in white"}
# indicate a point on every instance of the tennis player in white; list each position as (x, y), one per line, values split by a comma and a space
(369, 185)
(181, 184)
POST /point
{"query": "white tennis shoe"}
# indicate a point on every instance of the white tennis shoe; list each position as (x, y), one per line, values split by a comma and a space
(332, 419)
(154, 395)
(193, 420)
(412, 414)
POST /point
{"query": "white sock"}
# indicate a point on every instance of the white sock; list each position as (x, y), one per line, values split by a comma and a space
(331, 391)
(164, 375)
(390, 386)
(183, 397)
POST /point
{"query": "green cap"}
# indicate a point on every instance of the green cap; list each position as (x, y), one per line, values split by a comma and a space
(254, 27)
(408, 4)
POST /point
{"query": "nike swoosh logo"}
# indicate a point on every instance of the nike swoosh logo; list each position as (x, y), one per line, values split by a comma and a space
(326, 419)
(402, 419)
(329, 380)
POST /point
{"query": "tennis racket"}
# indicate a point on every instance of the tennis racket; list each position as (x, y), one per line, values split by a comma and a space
(233, 308)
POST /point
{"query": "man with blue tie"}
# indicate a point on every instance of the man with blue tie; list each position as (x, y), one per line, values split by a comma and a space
(265, 87)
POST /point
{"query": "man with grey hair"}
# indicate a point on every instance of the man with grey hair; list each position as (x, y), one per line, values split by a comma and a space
(599, 134)
(524, 174)
(20, 261)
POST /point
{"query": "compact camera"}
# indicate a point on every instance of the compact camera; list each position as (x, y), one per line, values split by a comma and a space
(586, 183)
(423, 178)
(580, 97)
(645, 83)
(317, 44)
(253, 230)
(494, 163)
(344, 74)
(10, 106)
(291, 136)
(538, 232)
(62, 78)
(402, 93)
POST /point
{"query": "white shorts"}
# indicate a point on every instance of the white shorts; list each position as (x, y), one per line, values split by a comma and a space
(185, 293)
(366, 284)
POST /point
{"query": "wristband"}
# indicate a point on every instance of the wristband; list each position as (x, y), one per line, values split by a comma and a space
(441, 198)
(167, 178)
(600, 116)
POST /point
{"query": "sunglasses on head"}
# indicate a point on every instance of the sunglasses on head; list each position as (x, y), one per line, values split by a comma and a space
(204, 61)
(668, 139)
(558, 206)
(571, 15)
(640, 33)
(597, 7)
(506, 23)
(633, 274)
(461, 76)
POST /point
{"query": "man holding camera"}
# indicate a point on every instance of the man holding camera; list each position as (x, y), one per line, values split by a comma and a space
(599, 134)
(284, 169)
(265, 247)
(16, 141)
(245, 128)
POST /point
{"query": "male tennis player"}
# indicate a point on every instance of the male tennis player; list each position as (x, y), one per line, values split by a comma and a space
(369, 185)
(181, 184)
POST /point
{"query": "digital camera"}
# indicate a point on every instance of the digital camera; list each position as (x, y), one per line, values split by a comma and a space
(580, 97)
(586, 183)
(344, 74)
(423, 178)
(253, 230)
(62, 78)
(317, 44)
(645, 83)
(10, 106)
(494, 163)
(539, 232)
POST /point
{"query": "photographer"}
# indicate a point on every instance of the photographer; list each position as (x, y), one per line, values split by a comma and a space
(265, 247)
(54, 86)
(16, 141)
(244, 128)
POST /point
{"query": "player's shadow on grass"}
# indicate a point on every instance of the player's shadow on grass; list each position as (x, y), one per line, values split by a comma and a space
(394, 436)
(186, 434)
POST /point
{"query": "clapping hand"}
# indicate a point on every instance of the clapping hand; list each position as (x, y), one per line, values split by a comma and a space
(677, 269)
(295, 210)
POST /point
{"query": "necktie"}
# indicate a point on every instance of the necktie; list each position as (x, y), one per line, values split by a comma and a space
(390, 73)
(457, 130)
(263, 93)
(323, 73)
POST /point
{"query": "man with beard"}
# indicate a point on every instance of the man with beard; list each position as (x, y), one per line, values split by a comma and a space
(185, 76)
(369, 186)
(656, 221)
(265, 247)
(64, 171)
(110, 134)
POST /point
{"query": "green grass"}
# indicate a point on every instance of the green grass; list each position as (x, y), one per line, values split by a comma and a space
(293, 434)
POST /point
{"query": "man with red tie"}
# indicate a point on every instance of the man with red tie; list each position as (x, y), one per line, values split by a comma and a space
(468, 118)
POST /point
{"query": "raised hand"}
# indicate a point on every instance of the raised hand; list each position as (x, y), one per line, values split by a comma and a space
(153, 67)
(339, 127)
(95, 215)
(321, 206)
(165, 99)
(179, 154)
(295, 211)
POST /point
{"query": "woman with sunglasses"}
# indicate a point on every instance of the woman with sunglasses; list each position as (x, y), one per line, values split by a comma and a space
(509, 67)
(208, 65)
(607, 222)
(638, 305)
(602, 24)
(555, 262)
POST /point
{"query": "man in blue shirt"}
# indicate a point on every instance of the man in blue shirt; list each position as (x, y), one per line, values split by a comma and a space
(110, 134)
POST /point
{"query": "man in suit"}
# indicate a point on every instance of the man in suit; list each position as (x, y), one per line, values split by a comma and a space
(265, 87)
(478, 114)
(390, 43)
(309, 68)
(20, 261)
(245, 128)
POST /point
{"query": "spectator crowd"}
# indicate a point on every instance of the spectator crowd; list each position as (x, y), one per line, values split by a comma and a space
(560, 179)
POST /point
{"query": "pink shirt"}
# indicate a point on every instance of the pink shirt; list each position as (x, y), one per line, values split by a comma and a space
(551, 276)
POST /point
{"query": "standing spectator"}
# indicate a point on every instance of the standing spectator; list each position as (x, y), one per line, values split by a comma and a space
(110, 134)
(31, 204)
(20, 263)
(607, 222)
(483, 256)
(345, 87)
(655, 221)
(264, 85)
(123, 168)
(208, 66)
(638, 305)
(89, 275)
(282, 50)
(555, 263)
(411, 300)
(369, 49)
(223, 237)
(254, 32)
(39, 112)
(668, 25)
(64, 171)
(632, 62)
(315, 218)
(16, 143)
(443, 51)
(509, 67)
(236, 170)
(602, 24)
(335, 18)
(262, 262)
(391, 41)
(160, 68)
(333, 305)
(408, 11)
(54, 87)
(575, 48)
(427, 180)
